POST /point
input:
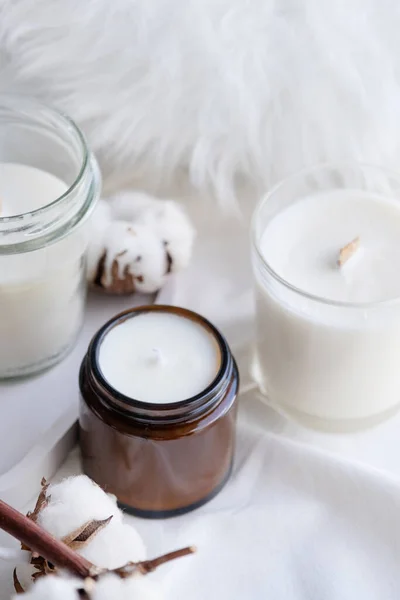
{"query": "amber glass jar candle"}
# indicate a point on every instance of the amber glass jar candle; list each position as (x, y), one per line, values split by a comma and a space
(158, 410)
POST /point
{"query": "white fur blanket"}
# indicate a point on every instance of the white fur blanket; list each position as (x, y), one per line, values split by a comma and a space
(224, 88)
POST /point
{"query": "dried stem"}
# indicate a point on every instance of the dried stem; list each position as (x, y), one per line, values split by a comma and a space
(38, 540)
(41, 543)
(147, 566)
(150, 565)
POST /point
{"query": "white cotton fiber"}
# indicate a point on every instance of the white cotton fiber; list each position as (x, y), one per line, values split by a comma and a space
(136, 241)
(73, 502)
(138, 249)
(114, 546)
(133, 588)
(107, 587)
(165, 217)
(53, 588)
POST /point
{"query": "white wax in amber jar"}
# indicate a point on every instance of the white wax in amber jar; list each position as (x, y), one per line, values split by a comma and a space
(316, 357)
(159, 357)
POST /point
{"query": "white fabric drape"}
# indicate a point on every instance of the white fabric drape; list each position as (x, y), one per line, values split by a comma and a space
(306, 515)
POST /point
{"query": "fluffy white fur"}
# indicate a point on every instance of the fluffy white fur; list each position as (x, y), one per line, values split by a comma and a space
(257, 88)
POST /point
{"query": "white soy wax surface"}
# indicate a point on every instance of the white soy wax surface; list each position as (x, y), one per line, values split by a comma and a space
(315, 358)
(24, 189)
(159, 357)
(41, 295)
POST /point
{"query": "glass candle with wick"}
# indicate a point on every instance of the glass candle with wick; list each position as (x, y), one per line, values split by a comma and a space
(49, 183)
(326, 256)
(158, 410)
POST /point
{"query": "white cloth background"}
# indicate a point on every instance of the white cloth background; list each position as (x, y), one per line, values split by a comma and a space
(306, 515)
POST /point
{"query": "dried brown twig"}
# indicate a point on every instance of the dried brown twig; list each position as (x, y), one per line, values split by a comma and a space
(49, 554)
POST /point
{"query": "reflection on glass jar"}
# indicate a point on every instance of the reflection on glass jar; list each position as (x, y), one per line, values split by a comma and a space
(49, 183)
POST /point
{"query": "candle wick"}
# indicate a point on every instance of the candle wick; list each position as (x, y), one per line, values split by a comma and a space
(157, 357)
(348, 251)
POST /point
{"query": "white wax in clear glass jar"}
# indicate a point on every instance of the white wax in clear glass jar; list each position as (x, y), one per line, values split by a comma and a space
(316, 356)
(158, 357)
(24, 189)
(302, 245)
(41, 296)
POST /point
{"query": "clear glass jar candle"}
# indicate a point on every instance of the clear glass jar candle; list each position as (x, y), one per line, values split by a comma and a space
(49, 182)
(328, 334)
(158, 410)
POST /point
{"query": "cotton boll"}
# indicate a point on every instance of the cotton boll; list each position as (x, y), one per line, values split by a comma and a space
(133, 259)
(172, 225)
(137, 240)
(109, 587)
(77, 500)
(114, 546)
(25, 572)
(153, 266)
(113, 497)
(142, 588)
(132, 588)
(53, 588)
(73, 502)
(165, 217)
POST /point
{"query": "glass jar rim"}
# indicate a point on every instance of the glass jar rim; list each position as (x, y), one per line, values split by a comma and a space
(32, 103)
(161, 412)
(52, 222)
(255, 238)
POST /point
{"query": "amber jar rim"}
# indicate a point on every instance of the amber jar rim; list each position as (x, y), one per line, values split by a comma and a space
(182, 410)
